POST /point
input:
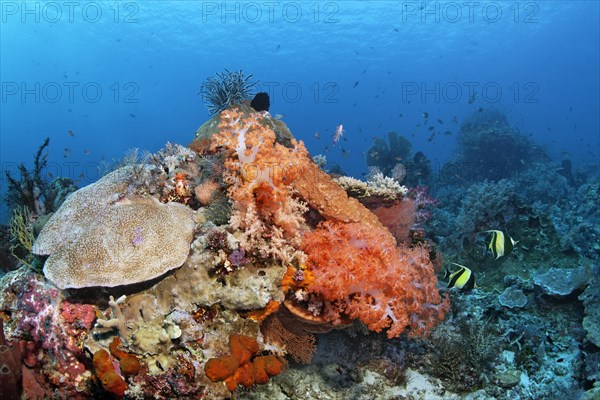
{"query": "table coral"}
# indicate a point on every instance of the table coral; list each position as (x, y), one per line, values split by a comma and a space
(100, 237)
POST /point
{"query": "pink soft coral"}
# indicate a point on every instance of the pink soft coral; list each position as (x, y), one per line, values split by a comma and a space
(360, 273)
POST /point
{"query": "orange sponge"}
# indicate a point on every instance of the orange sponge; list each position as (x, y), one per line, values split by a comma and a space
(129, 363)
(221, 368)
(242, 366)
(105, 371)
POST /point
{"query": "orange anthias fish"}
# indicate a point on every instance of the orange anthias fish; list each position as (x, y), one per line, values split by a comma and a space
(339, 132)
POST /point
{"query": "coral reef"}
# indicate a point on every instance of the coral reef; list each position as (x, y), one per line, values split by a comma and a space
(469, 212)
(490, 148)
(199, 272)
(181, 278)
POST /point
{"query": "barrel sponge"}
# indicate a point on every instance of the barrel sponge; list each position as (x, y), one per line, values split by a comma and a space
(102, 236)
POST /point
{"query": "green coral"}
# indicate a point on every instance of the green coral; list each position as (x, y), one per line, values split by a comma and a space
(21, 231)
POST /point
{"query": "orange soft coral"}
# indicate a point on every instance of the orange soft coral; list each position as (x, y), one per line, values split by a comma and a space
(360, 273)
(272, 186)
(258, 162)
(260, 172)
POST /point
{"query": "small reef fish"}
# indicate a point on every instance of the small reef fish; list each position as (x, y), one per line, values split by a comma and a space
(337, 135)
(355, 84)
(463, 279)
(500, 244)
(472, 98)
(86, 152)
(70, 133)
(66, 152)
(317, 135)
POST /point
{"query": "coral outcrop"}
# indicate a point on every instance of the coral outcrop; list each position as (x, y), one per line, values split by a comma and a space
(213, 265)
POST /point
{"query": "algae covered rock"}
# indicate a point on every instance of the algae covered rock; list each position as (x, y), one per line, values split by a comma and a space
(512, 297)
(561, 282)
(590, 298)
(104, 236)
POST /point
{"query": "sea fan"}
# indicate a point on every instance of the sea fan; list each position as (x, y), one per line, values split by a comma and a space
(225, 89)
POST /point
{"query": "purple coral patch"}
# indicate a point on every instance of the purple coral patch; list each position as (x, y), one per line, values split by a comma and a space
(237, 258)
(138, 239)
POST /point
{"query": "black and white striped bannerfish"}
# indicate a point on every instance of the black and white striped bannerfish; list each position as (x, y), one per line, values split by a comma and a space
(500, 244)
(462, 279)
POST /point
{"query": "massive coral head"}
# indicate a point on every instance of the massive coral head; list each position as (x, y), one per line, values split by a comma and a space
(360, 273)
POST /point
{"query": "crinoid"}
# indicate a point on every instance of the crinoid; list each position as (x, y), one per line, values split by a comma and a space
(225, 89)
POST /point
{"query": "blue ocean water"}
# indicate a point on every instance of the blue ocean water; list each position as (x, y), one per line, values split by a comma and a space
(99, 78)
